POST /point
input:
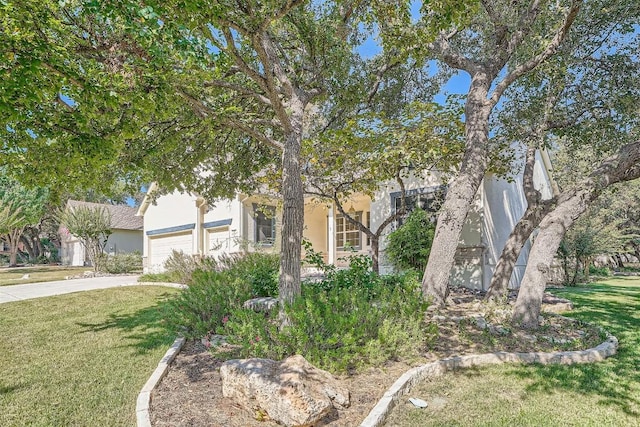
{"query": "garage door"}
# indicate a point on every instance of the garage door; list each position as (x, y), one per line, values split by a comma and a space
(160, 248)
(218, 241)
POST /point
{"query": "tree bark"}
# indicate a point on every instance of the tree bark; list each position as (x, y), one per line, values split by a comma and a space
(623, 166)
(536, 210)
(292, 219)
(461, 192)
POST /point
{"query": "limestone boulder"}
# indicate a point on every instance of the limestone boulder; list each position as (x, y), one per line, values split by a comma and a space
(292, 392)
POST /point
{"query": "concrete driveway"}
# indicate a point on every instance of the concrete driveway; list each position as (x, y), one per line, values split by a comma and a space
(47, 289)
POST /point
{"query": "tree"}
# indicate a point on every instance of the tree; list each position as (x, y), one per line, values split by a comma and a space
(373, 149)
(500, 44)
(621, 167)
(92, 225)
(217, 92)
(24, 207)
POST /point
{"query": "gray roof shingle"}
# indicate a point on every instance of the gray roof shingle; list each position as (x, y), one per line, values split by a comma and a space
(123, 217)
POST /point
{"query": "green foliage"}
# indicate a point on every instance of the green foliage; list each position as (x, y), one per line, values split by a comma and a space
(409, 246)
(599, 271)
(350, 325)
(180, 266)
(259, 270)
(218, 287)
(591, 235)
(123, 263)
(90, 224)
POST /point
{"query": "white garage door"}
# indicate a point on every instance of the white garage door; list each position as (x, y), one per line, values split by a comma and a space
(160, 248)
(218, 241)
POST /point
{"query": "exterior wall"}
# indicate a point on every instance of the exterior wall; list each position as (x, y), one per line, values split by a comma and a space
(468, 269)
(72, 252)
(124, 241)
(120, 241)
(504, 205)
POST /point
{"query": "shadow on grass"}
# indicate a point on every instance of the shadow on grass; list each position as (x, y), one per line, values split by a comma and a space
(144, 329)
(616, 380)
(10, 389)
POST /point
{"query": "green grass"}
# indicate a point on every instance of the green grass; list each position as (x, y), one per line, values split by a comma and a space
(601, 394)
(80, 359)
(43, 273)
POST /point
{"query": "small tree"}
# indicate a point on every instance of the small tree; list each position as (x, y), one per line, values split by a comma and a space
(92, 225)
(409, 246)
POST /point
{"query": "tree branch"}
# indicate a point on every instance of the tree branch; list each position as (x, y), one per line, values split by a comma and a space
(542, 56)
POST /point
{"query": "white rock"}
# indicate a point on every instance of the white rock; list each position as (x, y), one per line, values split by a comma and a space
(292, 392)
(418, 403)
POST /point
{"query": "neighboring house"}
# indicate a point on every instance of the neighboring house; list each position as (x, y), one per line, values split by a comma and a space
(189, 223)
(126, 234)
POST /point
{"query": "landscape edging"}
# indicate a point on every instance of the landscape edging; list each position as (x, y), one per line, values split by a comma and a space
(143, 419)
(403, 385)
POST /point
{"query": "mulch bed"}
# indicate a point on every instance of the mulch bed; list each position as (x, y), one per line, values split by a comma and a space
(191, 393)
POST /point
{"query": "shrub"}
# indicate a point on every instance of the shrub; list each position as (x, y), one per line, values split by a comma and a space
(338, 327)
(181, 266)
(409, 246)
(123, 263)
(206, 304)
(599, 271)
(223, 286)
(259, 269)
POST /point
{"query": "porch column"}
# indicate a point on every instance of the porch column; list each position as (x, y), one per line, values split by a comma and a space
(331, 238)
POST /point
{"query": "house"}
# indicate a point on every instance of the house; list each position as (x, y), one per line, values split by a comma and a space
(191, 224)
(126, 233)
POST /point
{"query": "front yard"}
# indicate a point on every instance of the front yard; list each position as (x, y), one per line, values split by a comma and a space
(601, 394)
(80, 359)
(40, 273)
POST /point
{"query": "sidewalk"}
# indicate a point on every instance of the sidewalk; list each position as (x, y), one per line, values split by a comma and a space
(47, 289)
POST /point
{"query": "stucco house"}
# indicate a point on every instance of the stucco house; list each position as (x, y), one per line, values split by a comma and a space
(189, 223)
(126, 233)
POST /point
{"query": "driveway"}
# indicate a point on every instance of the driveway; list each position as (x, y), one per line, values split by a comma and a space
(47, 289)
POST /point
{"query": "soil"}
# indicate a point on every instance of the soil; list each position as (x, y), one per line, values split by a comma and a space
(191, 393)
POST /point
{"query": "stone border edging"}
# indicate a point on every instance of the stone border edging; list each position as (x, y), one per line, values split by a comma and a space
(403, 385)
(143, 419)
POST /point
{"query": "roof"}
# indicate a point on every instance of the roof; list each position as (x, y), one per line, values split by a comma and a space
(123, 217)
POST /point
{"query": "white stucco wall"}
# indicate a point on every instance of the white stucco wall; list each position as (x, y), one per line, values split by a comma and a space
(124, 241)
(504, 205)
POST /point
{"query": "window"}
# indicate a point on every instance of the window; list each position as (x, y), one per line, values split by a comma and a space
(265, 224)
(429, 200)
(347, 233)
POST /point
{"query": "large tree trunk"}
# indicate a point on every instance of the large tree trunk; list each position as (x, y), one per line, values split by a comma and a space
(460, 193)
(623, 166)
(536, 210)
(552, 229)
(292, 221)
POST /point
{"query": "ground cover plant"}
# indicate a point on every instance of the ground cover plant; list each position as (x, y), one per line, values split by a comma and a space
(606, 393)
(42, 273)
(80, 359)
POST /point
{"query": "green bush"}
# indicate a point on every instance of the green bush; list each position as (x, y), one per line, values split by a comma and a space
(599, 271)
(206, 304)
(340, 328)
(408, 247)
(225, 285)
(259, 269)
(181, 266)
(123, 263)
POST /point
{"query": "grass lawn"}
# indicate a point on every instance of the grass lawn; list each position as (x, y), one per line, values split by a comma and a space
(601, 394)
(80, 359)
(41, 273)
